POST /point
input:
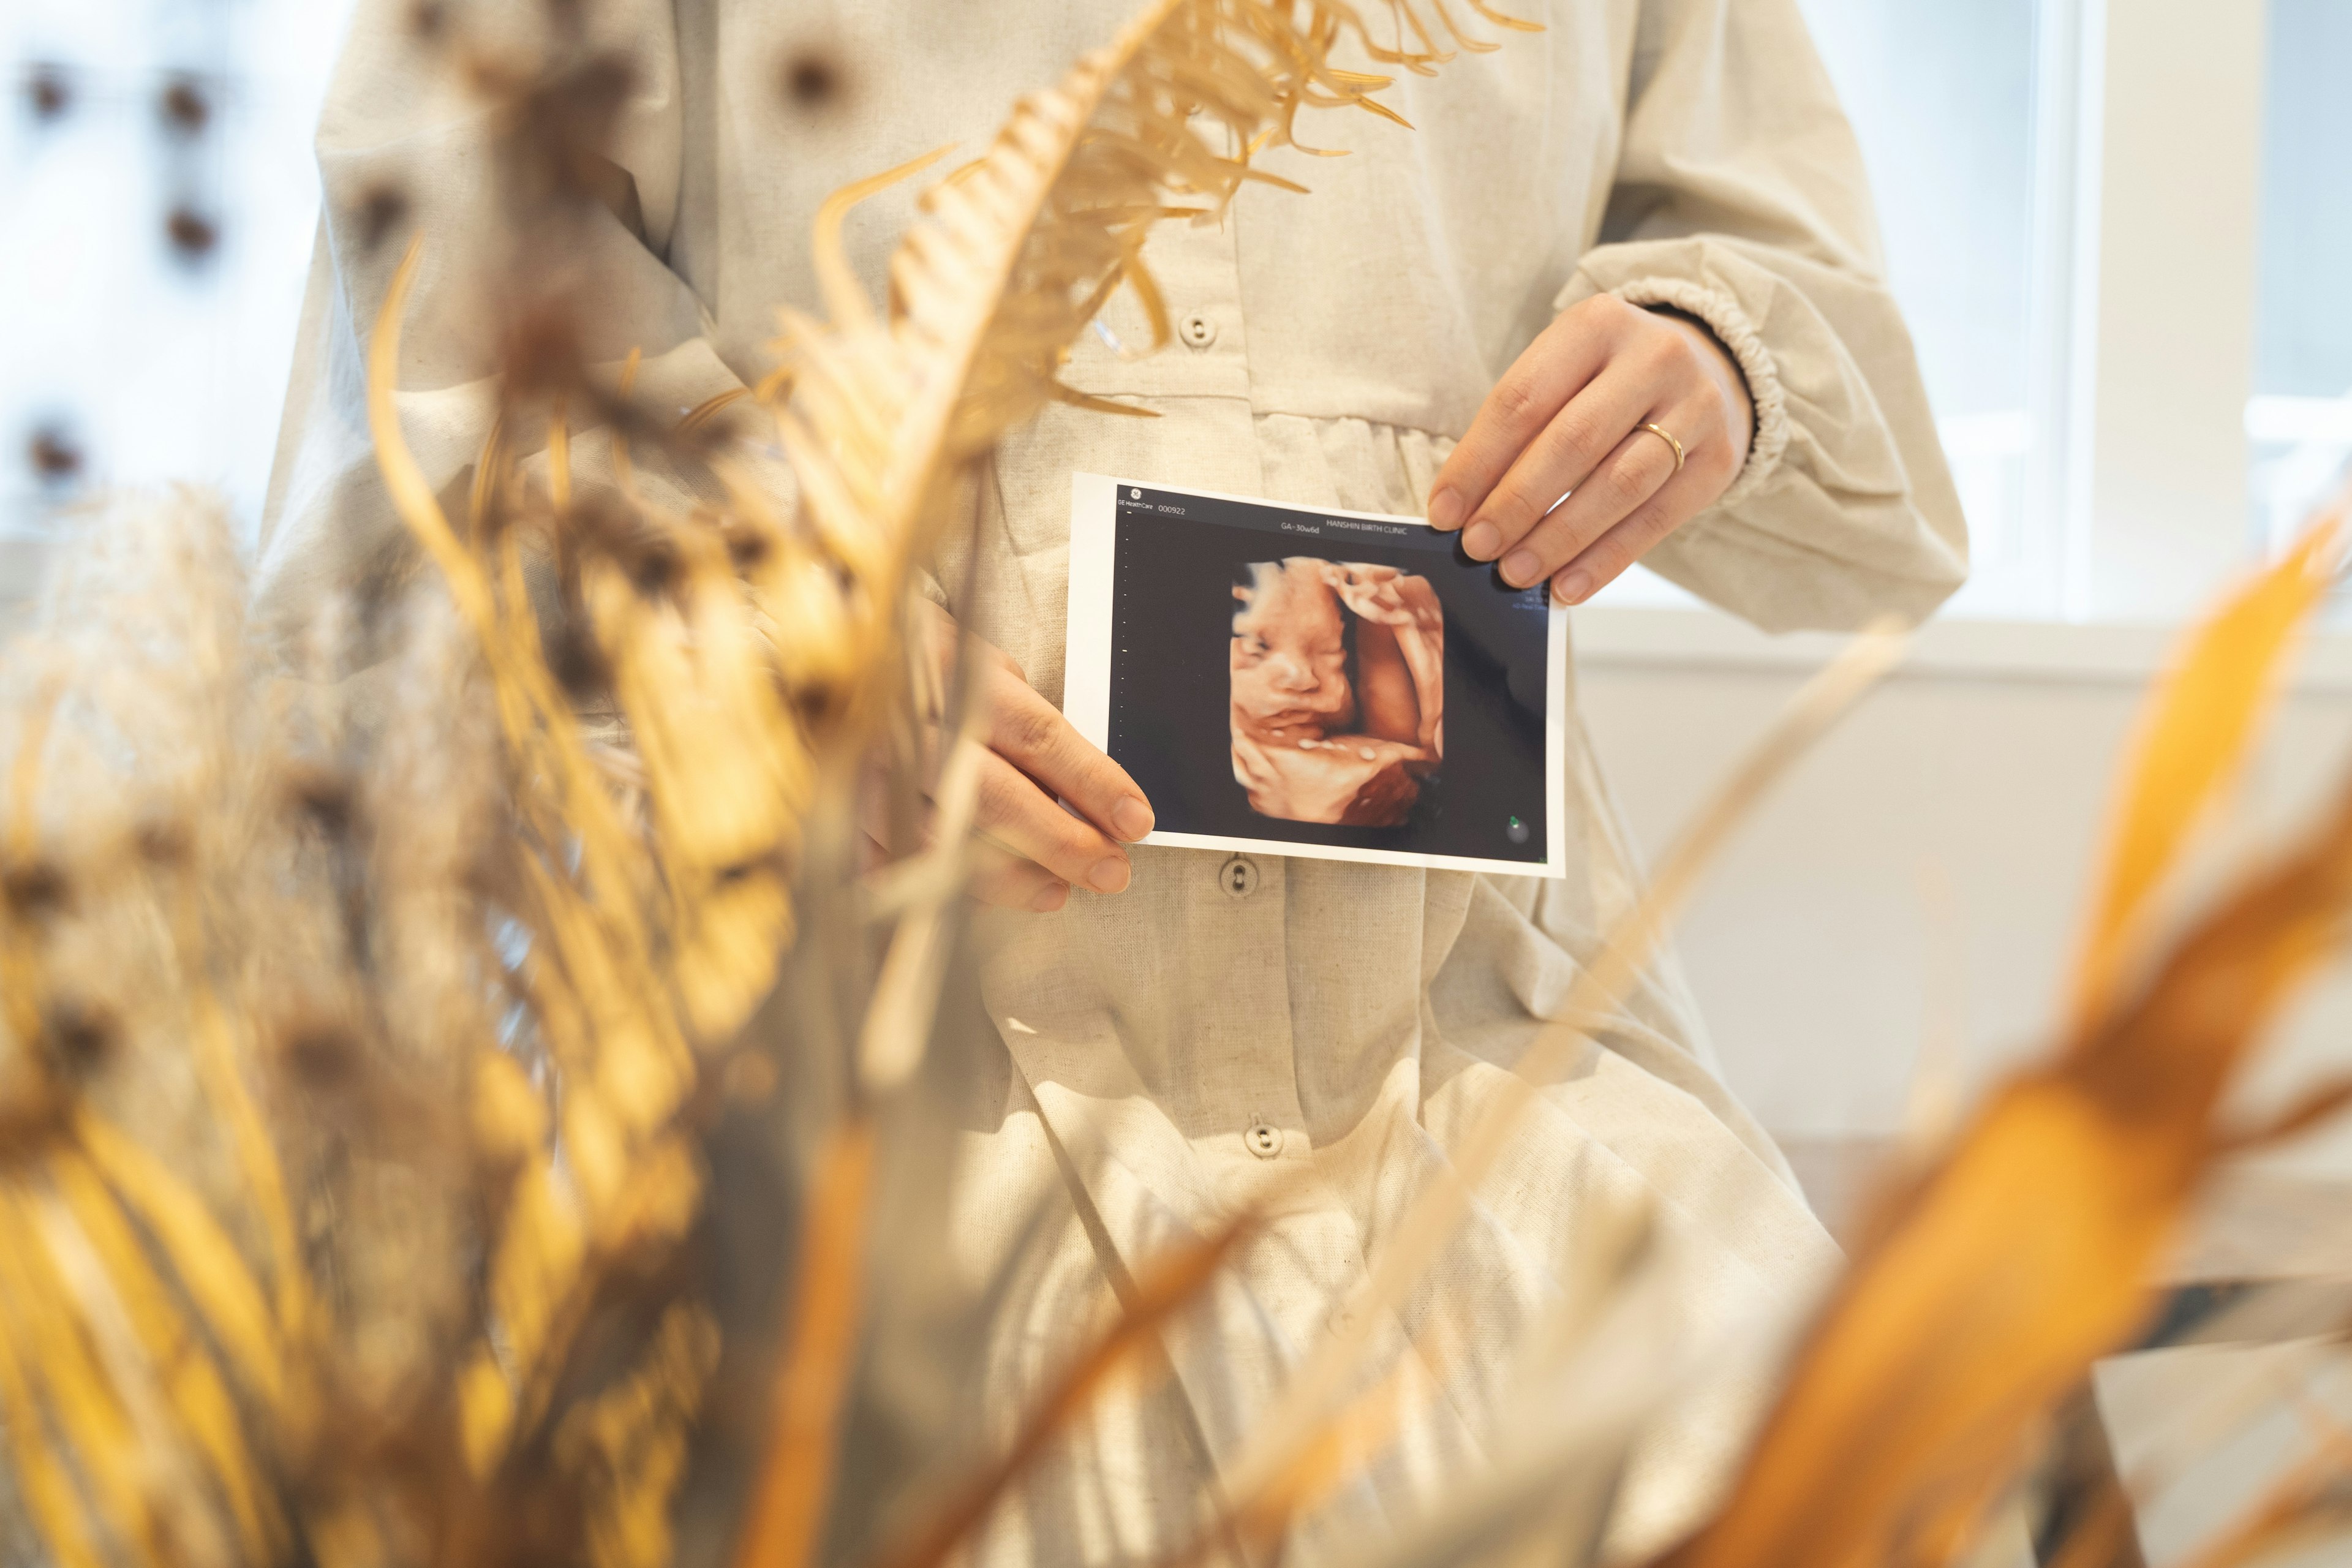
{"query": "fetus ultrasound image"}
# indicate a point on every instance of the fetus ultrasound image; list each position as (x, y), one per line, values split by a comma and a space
(1281, 675)
(1337, 677)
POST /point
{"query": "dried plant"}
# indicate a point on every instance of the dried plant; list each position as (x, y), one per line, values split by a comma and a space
(1987, 1286)
(358, 1226)
(374, 1046)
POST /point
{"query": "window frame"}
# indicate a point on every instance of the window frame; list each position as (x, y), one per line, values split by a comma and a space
(2147, 156)
(2167, 162)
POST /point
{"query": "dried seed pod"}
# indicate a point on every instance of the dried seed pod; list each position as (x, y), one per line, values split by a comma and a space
(48, 91)
(81, 1033)
(319, 1051)
(54, 456)
(193, 235)
(382, 209)
(814, 78)
(185, 106)
(36, 889)
(164, 842)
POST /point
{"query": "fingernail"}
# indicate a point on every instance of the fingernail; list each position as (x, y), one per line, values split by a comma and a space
(1520, 568)
(1483, 540)
(1050, 897)
(1108, 876)
(1132, 818)
(1445, 508)
(1573, 588)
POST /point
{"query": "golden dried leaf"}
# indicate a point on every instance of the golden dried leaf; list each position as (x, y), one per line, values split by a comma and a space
(787, 1505)
(1981, 1294)
(205, 1262)
(1174, 1280)
(629, 1444)
(2196, 726)
(198, 1395)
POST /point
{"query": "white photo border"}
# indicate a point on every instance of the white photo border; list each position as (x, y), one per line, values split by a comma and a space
(1086, 681)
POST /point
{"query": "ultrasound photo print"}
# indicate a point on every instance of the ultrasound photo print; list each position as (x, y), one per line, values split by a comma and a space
(1337, 673)
(1315, 682)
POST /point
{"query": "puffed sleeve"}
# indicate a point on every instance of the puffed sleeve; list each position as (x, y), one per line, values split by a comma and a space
(1739, 198)
(408, 146)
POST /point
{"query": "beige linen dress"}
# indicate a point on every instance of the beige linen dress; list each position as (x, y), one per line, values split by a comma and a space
(1174, 1049)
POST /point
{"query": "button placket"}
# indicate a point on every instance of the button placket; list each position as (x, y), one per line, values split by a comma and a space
(1197, 270)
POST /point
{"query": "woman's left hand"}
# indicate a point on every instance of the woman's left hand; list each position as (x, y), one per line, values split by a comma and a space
(1567, 419)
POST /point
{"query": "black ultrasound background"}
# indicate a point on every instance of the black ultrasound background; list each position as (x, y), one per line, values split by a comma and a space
(1171, 626)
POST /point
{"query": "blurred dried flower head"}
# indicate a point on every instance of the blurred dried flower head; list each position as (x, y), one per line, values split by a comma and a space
(54, 456)
(185, 106)
(48, 90)
(383, 208)
(562, 124)
(540, 350)
(397, 1055)
(81, 1031)
(193, 235)
(815, 79)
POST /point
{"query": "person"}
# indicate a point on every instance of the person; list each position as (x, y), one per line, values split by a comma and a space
(1629, 261)
(1310, 742)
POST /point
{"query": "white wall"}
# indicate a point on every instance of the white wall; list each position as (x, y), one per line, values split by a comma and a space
(1921, 874)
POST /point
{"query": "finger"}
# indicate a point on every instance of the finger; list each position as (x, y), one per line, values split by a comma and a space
(874, 819)
(1565, 359)
(1605, 560)
(1637, 470)
(1019, 817)
(1562, 456)
(1031, 733)
(1711, 461)
(998, 876)
(1012, 883)
(948, 643)
(1557, 365)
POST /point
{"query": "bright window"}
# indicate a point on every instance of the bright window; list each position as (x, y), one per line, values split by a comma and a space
(155, 167)
(1942, 100)
(2299, 420)
(2139, 372)
(1965, 136)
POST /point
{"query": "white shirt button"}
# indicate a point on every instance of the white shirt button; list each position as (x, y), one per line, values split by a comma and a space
(1197, 330)
(1238, 876)
(1265, 1141)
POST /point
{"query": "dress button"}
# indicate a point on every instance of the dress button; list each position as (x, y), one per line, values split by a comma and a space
(1264, 1141)
(1238, 876)
(1197, 330)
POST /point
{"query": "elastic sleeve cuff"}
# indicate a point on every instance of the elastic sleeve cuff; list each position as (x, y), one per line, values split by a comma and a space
(1732, 328)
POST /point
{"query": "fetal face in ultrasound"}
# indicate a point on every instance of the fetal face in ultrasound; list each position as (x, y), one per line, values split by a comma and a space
(1337, 682)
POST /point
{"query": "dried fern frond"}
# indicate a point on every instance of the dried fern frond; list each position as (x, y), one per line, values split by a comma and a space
(1014, 254)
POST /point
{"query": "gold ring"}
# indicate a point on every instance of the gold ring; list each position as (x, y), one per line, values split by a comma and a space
(1663, 434)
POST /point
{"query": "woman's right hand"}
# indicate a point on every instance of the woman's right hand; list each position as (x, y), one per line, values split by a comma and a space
(1032, 851)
